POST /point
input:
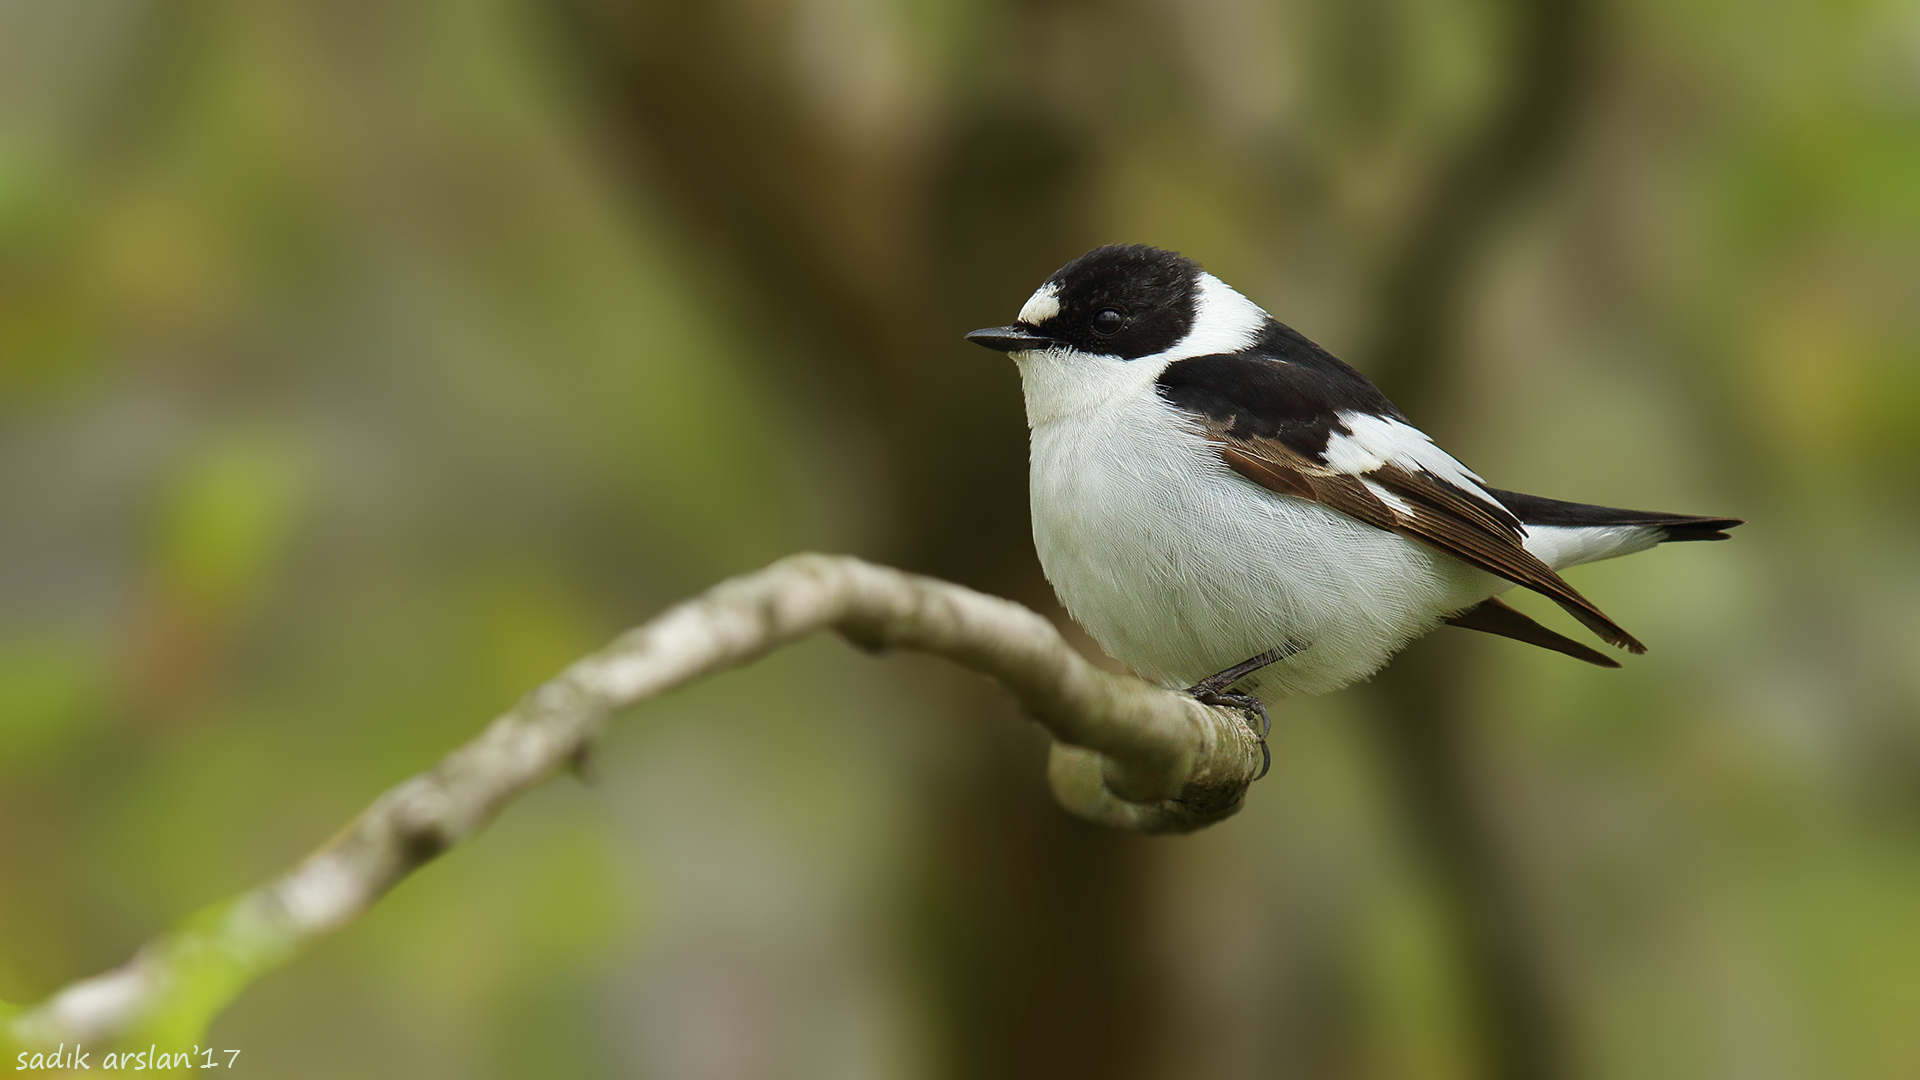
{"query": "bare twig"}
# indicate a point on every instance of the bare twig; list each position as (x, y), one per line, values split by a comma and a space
(1128, 755)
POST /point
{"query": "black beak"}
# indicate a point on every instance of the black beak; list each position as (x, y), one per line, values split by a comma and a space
(1013, 338)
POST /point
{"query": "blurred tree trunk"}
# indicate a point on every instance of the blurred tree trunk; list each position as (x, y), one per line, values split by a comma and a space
(1425, 713)
(839, 254)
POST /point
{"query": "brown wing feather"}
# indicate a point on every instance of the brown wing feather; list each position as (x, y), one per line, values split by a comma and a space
(1437, 514)
(1299, 478)
(1492, 616)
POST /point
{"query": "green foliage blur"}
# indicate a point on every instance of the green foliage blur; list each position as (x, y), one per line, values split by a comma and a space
(363, 363)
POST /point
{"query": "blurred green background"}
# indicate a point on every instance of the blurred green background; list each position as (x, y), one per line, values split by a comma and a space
(364, 361)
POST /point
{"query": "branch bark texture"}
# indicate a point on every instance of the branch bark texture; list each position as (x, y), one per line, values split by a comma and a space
(1126, 754)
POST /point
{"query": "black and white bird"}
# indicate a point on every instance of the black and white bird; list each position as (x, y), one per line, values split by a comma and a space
(1226, 507)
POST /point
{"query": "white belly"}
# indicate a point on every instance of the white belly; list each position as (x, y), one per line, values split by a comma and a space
(1180, 568)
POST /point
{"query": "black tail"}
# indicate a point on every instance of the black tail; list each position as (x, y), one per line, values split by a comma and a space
(1537, 510)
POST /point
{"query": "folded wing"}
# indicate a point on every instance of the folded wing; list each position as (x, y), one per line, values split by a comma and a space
(1419, 505)
(1292, 418)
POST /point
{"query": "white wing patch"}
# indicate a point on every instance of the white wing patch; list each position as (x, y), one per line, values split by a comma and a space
(1394, 502)
(1044, 304)
(1377, 440)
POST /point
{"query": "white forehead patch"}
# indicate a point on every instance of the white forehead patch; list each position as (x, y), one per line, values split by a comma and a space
(1044, 304)
(1223, 320)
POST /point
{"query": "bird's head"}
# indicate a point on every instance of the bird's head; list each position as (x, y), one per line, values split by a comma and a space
(1115, 316)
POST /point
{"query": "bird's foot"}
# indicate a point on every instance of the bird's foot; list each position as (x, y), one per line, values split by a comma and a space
(1234, 699)
(1215, 689)
(1249, 706)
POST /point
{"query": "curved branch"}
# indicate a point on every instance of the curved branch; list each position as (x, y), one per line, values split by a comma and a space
(1128, 755)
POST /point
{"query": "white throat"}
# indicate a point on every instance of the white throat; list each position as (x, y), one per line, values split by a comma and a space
(1061, 383)
(1064, 382)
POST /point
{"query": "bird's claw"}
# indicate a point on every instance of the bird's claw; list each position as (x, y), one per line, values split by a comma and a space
(1250, 707)
(1234, 699)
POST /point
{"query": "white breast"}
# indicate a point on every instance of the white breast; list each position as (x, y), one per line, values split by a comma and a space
(1181, 568)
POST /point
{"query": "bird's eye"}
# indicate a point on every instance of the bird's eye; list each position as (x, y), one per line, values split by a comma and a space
(1108, 322)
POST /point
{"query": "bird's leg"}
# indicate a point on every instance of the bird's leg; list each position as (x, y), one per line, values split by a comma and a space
(1214, 690)
(1215, 685)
